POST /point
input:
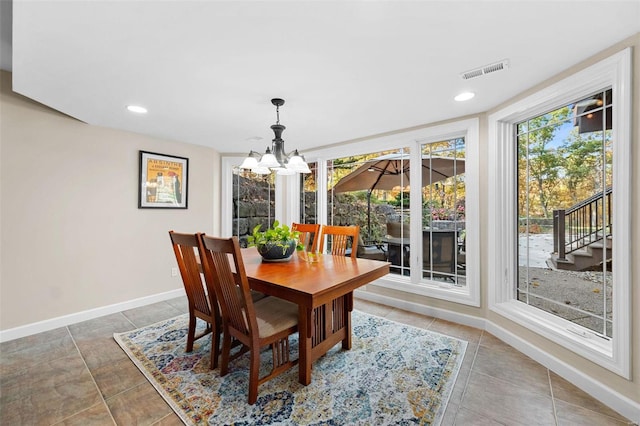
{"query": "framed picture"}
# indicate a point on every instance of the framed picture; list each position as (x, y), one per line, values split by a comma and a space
(164, 181)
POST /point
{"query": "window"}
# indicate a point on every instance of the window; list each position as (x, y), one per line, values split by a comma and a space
(369, 190)
(308, 195)
(253, 200)
(429, 231)
(443, 212)
(562, 150)
(565, 174)
(295, 200)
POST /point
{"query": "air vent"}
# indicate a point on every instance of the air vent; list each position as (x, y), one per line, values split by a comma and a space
(477, 72)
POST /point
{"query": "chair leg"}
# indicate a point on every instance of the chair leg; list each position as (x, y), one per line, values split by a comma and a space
(226, 350)
(215, 348)
(192, 332)
(254, 370)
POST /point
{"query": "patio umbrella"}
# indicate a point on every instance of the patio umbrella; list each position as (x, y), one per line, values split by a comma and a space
(392, 170)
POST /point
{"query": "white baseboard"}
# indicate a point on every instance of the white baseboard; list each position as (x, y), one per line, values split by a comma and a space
(444, 314)
(50, 324)
(608, 396)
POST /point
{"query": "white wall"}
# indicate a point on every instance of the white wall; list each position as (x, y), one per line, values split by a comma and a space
(72, 236)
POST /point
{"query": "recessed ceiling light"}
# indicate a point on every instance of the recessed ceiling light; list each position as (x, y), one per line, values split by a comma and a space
(137, 109)
(464, 96)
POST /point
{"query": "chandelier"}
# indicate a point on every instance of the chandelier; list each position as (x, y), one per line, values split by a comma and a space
(275, 158)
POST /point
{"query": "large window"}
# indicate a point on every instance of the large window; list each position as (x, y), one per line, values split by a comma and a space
(370, 190)
(429, 231)
(415, 197)
(309, 195)
(565, 176)
(443, 211)
(559, 208)
(252, 203)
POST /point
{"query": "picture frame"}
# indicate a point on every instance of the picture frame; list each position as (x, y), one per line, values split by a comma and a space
(163, 181)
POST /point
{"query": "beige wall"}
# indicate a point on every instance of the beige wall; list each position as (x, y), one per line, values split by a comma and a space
(72, 236)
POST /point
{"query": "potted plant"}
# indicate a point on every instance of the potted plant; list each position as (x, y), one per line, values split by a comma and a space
(276, 243)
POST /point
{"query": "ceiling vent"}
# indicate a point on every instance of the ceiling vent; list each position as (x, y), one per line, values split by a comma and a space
(477, 72)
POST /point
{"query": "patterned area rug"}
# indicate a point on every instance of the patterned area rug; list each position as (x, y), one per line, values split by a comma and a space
(394, 374)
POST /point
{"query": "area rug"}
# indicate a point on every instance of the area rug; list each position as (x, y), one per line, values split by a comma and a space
(394, 374)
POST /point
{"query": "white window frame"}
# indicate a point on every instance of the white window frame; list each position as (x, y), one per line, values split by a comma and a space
(469, 129)
(613, 354)
(287, 190)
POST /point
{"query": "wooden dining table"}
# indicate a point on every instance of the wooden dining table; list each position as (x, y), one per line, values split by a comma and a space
(322, 289)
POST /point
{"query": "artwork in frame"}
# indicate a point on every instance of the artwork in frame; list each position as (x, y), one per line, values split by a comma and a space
(163, 182)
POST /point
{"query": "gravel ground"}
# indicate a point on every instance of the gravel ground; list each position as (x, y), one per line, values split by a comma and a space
(579, 297)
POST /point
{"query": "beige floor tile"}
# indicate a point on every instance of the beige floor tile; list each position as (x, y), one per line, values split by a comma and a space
(410, 318)
(512, 366)
(490, 341)
(48, 393)
(470, 334)
(465, 417)
(463, 374)
(141, 405)
(101, 351)
(507, 403)
(19, 355)
(117, 377)
(565, 391)
(151, 314)
(97, 415)
(371, 307)
(570, 415)
(28, 342)
(101, 327)
(170, 420)
(180, 303)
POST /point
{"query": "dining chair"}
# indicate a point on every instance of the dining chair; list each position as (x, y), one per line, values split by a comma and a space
(201, 297)
(269, 321)
(340, 236)
(398, 243)
(309, 234)
(439, 252)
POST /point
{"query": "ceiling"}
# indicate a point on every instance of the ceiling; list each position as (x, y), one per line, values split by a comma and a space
(206, 71)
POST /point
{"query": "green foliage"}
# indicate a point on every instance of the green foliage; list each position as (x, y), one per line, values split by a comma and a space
(279, 235)
(402, 200)
(350, 209)
(583, 163)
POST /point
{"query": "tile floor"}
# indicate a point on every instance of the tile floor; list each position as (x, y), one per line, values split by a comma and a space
(78, 375)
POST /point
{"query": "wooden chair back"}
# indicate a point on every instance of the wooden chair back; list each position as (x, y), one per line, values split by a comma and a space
(201, 298)
(340, 236)
(223, 266)
(309, 234)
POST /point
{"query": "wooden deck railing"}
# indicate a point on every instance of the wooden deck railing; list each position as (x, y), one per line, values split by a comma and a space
(586, 222)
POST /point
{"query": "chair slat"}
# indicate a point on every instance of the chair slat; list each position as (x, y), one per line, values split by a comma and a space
(340, 239)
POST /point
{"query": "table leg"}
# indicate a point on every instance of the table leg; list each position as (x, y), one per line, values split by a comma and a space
(305, 322)
(348, 307)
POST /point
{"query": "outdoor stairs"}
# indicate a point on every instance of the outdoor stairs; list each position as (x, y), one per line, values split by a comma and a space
(585, 258)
